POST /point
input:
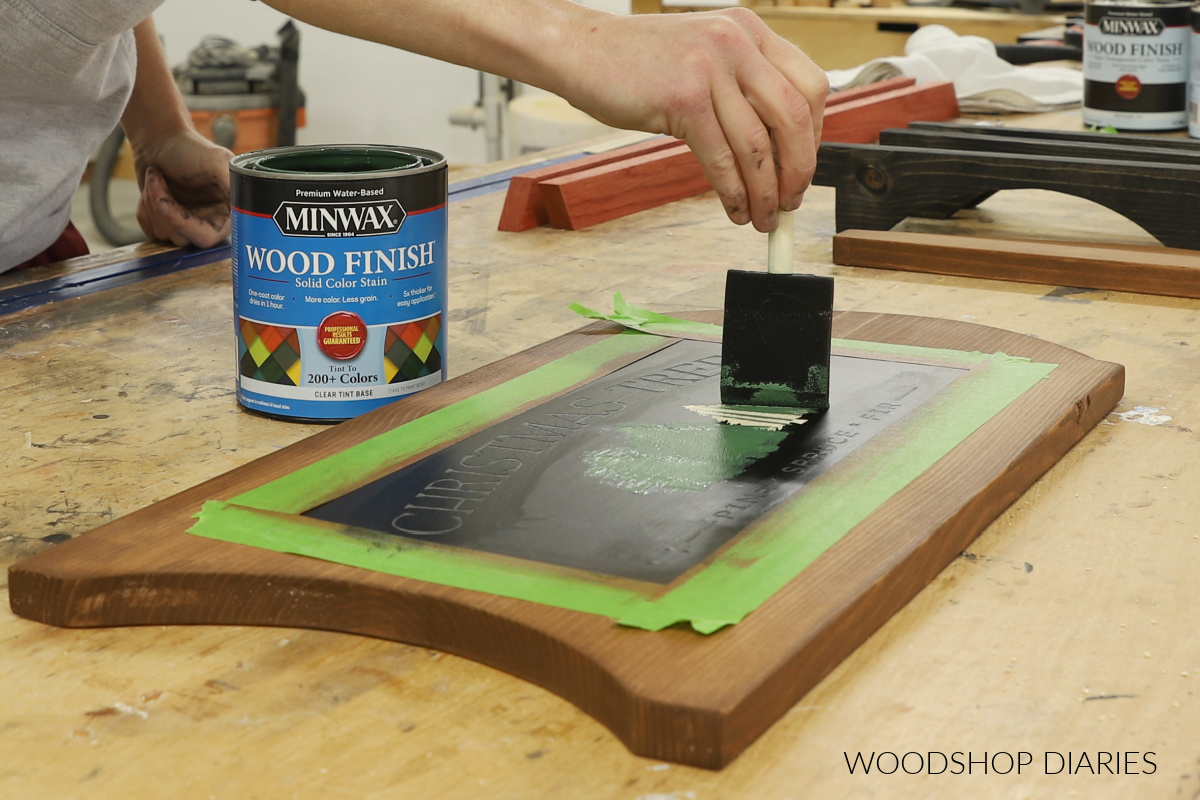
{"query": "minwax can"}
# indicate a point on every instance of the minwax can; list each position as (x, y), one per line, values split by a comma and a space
(339, 277)
(1136, 64)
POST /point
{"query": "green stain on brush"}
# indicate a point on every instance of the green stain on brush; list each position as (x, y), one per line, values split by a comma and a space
(778, 395)
(772, 394)
(690, 458)
(818, 379)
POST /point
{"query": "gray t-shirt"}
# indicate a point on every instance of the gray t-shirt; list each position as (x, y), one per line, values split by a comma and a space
(66, 72)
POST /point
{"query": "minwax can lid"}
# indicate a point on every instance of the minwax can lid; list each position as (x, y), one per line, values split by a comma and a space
(337, 162)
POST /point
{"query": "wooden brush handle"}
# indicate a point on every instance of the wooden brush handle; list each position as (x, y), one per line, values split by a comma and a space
(780, 246)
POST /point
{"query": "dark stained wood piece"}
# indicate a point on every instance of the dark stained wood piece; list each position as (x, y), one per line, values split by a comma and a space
(964, 138)
(879, 186)
(1166, 144)
(523, 207)
(860, 121)
(870, 89)
(1120, 268)
(582, 199)
(672, 695)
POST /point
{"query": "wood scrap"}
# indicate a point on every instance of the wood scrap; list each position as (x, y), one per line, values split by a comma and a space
(1092, 137)
(965, 137)
(598, 188)
(868, 90)
(580, 199)
(860, 121)
(523, 207)
(1122, 268)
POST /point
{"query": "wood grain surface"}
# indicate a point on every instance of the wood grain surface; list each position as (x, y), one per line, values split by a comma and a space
(1122, 268)
(840, 37)
(867, 90)
(1043, 143)
(860, 120)
(581, 199)
(672, 695)
(523, 206)
(1066, 627)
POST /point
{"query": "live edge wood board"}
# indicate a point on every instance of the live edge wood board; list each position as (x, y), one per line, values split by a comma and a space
(674, 694)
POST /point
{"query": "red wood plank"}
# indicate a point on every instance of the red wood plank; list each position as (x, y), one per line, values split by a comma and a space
(860, 121)
(523, 204)
(869, 90)
(586, 198)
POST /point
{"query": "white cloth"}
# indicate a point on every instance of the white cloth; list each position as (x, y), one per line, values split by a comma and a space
(983, 82)
(66, 72)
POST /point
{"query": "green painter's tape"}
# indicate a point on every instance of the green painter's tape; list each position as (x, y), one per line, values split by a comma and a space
(792, 536)
(742, 577)
(334, 476)
(646, 321)
(392, 555)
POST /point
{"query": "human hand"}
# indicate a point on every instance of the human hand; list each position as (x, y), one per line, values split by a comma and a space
(185, 190)
(723, 82)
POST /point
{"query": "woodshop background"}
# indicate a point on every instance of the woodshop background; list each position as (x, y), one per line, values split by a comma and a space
(1069, 626)
(345, 79)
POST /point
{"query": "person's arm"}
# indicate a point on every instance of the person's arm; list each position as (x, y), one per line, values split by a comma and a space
(184, 177)
(720, 80)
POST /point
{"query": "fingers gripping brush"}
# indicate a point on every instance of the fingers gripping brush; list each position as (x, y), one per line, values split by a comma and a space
(777, 332)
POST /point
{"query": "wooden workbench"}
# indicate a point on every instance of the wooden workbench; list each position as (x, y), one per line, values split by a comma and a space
(843, 36)
(1068, 627)
(840, 38)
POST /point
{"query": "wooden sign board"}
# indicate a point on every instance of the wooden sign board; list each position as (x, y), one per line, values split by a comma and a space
(671, 694)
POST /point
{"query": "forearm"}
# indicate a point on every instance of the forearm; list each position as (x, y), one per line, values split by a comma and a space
(526, 40)
(721, 80)
(155, 110)
(184, 178)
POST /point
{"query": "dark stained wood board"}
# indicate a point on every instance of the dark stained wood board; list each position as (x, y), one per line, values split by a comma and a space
(946, 136)
(671, 695)
(622, 478)
(1167, 271)
(1170, 146)
(934, 171)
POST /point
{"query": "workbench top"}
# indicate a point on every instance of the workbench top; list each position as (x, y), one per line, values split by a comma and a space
(1069, 627)
(841, 38)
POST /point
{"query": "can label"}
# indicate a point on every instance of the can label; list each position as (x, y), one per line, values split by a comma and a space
(339, 288)
(1135, 65)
